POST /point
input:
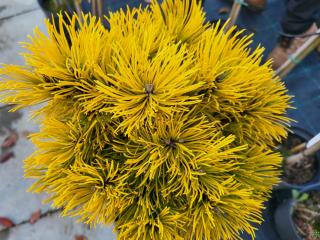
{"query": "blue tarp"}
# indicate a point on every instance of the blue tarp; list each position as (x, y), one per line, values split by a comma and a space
(304, 81)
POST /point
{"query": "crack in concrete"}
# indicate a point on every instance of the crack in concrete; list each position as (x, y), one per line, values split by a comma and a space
(3, 232)
(6, 39)
(18, 14)
(2, 8)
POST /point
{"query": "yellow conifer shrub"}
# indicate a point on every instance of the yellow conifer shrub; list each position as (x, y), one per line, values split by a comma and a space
(162, 125)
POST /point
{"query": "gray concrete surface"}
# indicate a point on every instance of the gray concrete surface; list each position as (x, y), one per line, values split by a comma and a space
(55, 227)
(17, 20)
(15, 202)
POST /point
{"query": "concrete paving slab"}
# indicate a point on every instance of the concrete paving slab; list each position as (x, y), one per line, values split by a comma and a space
(12, 7)
(15, 202)
(15, 30)
(56, 228)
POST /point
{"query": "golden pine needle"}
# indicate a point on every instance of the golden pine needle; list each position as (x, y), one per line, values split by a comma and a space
(161, 125)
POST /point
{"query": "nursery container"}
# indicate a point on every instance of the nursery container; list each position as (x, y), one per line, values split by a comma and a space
(47, 11)
(283, 216)
(44, 8)
(305, 136)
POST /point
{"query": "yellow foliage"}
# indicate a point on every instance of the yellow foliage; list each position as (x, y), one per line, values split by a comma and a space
(162, 124)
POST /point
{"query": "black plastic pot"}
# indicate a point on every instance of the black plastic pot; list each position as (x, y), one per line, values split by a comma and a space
(53, 17)
(49, 12)
(283, 216)
(283, 221)
(305, 136)
(44, 8)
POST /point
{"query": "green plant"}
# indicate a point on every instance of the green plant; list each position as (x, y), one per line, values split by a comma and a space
(306, 215)
(316, 227)
(163, 124)
(298, 196)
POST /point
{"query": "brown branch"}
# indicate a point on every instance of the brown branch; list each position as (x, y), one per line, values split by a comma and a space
(235, 11)
(100, 8)
(93, 7)
(78, 9)
(300, 156)
(311, 44)
(306, 210)
(298, 148)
